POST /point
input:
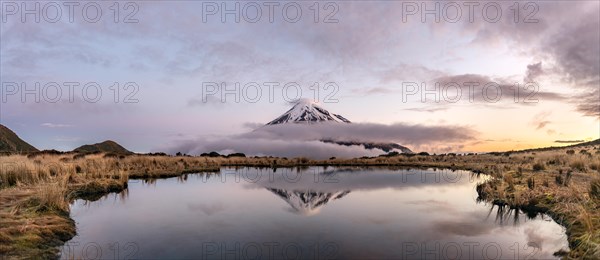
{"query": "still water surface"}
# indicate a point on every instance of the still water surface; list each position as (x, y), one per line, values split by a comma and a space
(323, 213)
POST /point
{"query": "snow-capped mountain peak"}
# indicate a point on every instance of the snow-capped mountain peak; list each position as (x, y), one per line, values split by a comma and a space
(307, 111)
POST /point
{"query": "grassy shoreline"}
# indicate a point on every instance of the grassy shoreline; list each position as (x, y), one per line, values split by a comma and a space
(35, 190)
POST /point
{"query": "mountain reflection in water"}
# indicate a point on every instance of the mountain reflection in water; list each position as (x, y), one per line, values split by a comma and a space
(343, 213)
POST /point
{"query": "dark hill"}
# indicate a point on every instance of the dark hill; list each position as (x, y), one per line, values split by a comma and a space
(104, 147)
(11, 143)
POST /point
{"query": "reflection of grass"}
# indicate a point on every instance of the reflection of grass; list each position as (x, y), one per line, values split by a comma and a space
(35, 190)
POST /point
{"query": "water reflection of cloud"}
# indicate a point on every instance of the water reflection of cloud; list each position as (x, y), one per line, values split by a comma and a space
(466, 228)
(433, 205)
(308, 189)
(208, 209)
(534, 239)
(378, 221)
(332, 181)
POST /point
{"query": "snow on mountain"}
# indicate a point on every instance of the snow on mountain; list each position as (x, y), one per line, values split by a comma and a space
(307, 111)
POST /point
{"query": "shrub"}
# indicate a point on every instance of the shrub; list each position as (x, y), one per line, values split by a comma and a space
(510, 181)
(111, 155)
(595, 166)
(595, 189)
(531, 183)
(78, 156)
(578, 165)
(569, 175)
(570, 152)
(53, 171)
(546, 183)
(303, 160)
(236, 155)
(211, 154)
(558, 179)
(538, 167)
(51, 197)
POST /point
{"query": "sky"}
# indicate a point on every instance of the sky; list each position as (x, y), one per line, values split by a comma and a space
(167, 73)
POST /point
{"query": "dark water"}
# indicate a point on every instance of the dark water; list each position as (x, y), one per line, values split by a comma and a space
(341, 213)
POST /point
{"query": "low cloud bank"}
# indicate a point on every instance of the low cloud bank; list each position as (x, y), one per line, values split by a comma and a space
(293, 140)
(569, 141)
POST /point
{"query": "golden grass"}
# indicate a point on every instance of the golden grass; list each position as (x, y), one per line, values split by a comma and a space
(35, 191)
(569, 193)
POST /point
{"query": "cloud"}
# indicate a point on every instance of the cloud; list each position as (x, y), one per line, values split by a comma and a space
(209, 100)
(292, 140)
(405, 72)
(565, 36)
(540, 120)
(575, 46)
(427, 109)
(486, 89)
(588, 102)
(542, 124)
(52, 125)
(253, 125)
(569, 141)
(371, 132)
(369, 46)
(533, 71)
(67, 139)
(373, 90)
(265, 147)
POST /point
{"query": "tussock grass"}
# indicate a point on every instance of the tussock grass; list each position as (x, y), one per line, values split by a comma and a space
(569, 193)
(595, 189)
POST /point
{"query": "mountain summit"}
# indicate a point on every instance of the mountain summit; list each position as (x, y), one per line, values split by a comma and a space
(307, 111)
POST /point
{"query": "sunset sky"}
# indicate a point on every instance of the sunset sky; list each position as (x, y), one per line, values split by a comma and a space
(373, 51)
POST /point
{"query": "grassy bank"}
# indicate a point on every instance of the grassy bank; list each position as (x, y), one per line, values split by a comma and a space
(35, 190)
